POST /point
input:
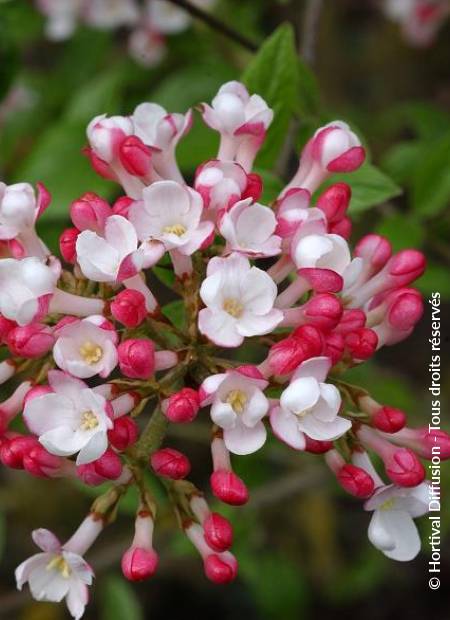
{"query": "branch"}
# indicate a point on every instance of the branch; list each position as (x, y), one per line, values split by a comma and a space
(309, 31)
(216, 24)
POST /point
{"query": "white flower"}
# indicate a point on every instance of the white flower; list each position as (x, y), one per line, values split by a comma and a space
(105, 134)
(239, 300)
(249, 229)
(309, 406)
(238, 407)
(62, 17)
(72, 419)
(85, 349)
(17, 209)
(242, 121)
(392, 529)
(146, 46)
(110, 14)
(56, 574)
(23, 285)
(171, 213)
(166, 18)
(221, 184)
(100, 258)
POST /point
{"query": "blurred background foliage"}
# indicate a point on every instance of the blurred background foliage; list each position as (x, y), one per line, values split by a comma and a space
(302, 545)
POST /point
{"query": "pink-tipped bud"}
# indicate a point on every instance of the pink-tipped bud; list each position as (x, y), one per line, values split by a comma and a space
(137, 358)
(30, 341)
(139, 563)
(322, 280)
(183, 406)
(323, 310)
(406, 310)
(40, 463)
(404, 468)
(36, 391)
(361, 343)
(228, 487)
(67, 244)
(337, 148)
(334, 201)
(124, 433)
(170, 463)
(254, 187)
(351, 320)
(128, 307)
(135, 156)
(99, 165)
(389, 419)
(334, 346)
(306, 341)
(343, 228)
(220, 569)
(426, 442)
(356, 481)
(89, 212)
(122, 206)
(218, 532)
(406, 266)
(374, 249)
(316, 446)
(107, 467)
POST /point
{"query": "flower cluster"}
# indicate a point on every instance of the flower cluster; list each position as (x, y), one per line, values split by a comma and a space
(91, 349)
(419, 20)
(150, 22)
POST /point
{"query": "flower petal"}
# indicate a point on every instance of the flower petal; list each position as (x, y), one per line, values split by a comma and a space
(243, 439)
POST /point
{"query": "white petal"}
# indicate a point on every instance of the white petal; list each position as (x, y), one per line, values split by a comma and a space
(45, 413)
(254, 325)
(317, 367)
(324, 431)
(285, 427)
(223, 414)
(94, 449)
(300, 395)
(219, 327)
(243, 439)
(401, 529)
(46, 540)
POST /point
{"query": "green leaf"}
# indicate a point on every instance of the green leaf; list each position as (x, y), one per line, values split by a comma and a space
(272, 185)
(175, 312)
(434, 279)
(402, 230)
(274, 74)
(370, 187)
(431, 182)
(402, 159)
(119, 600)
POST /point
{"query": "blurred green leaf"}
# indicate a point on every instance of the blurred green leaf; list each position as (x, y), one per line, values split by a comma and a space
(119, 600)
(370, 187)
(431, 180)
(273, 73)
(402, 230)
(435, 278)
(175, 312)
(401, 161)
(272, 185)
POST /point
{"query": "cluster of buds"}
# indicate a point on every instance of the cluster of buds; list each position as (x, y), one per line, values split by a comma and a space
(149, 22)
(90, 349)
(419, 20)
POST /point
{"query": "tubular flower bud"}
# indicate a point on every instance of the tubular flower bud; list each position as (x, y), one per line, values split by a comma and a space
(135, 156)
(426, 441)
(107, 467)
(128, 307)
(384, 418)
(182, 406)
(137, 358)
(219, 568)
(218, 532)
(334, 202)
(90, 212)
(229, 488)
(170, 463)
(361, 343)
(124, 433)
(67, 244)
(30, 341)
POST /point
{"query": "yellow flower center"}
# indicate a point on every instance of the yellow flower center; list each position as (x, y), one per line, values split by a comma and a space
(175, 229)
(91, 352)
(388, 504)
(59, 563)
(237, 399)
(304, 413)
(89, 421)
(233, 307)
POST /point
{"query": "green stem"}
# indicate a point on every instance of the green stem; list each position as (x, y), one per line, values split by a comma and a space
(152, 436)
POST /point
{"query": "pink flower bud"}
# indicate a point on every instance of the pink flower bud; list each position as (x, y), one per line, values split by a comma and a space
(228, 487)
(322, 280)
(305, 342)
(99, 166)
(337, 148)
(5, 327)
(67, 244)
(218, 532)
(30, 341)
(107, 467)
(334, 201)
(407, 266)
(137, 358)
(170, 463)
(334, 346)
(351, 320)
(254, 187)
(122, 206)
(375, 250)
(406, 310)
(106, 134)
(220, 569)
(13, 450)
(361, 343)
(36, 391)
(323, 310)
(135, 156)
(183, 406)
(40, 463)
(128, 307)
(425, 441)
(89, 212)
(389, 419)
(342, 228)
(404, 468)
(124, 433)
(356, 481)
(139, 563)
(315, 446)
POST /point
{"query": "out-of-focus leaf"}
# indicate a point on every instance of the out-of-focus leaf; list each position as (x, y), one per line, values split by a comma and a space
(370, 187)
(401, 161)
(424, 118)
(2, 533)
(119, 600)
(274, 74)
(431, 181)
(272, 185)
(435, 278)
(402, 230)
